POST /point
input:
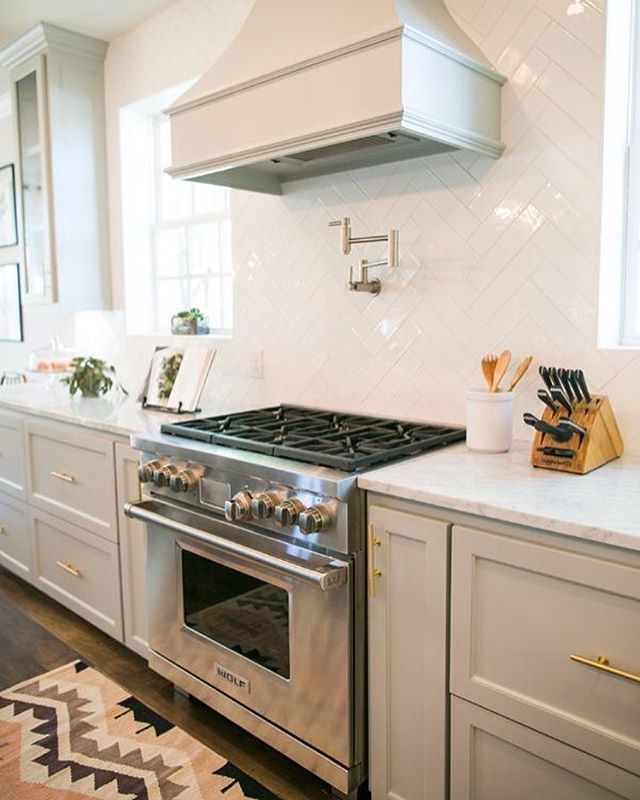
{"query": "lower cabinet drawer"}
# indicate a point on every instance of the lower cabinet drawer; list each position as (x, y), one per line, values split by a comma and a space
(15, 537)
(493, 758)
(79, 569)
(530, 622)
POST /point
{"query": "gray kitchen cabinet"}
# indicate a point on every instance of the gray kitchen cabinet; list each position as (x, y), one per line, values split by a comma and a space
(407, 655)
(58, 107)
(15, 538)
(79, 569)
(12, 455)
(493, 758)
(71, 474)
(521, 608)
(133, 550)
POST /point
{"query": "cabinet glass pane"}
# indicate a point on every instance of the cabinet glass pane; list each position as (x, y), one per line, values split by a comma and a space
(38, 281)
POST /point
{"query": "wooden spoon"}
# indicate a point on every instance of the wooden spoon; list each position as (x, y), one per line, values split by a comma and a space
(519, 372)
(501, 367)
(488, 364)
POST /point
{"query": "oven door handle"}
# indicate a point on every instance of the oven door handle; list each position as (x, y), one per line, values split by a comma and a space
(335, 573)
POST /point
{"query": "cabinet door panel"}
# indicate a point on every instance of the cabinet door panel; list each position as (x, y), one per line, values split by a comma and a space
(15, 537)
(133, 552)
(78, 569)
(519, 610)
(493, 758)
(407, 657)
(71, 474)
(11, 455)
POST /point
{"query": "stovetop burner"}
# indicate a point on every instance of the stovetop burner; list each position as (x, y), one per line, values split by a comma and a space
(348, 442)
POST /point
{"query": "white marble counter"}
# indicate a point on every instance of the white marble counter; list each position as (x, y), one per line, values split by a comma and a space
(114, 414)
(603, 506)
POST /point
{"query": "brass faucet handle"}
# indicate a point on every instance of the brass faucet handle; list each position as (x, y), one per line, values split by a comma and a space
(393, 249)
(345, 233)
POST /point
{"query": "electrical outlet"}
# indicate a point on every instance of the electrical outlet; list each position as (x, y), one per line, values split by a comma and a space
(257, 365)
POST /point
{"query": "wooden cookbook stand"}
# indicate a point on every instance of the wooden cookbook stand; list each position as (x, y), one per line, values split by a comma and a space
(580, 454)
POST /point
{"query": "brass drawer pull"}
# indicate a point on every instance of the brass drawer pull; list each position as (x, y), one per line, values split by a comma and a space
(69, 568)
(3, 529)
(374, 572)
(64, 476)
(602, 663)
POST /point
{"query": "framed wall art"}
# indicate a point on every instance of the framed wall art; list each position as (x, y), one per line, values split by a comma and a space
(8, 221)
(10, 305)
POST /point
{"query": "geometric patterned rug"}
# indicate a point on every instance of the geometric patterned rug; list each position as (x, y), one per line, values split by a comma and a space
(73, 733)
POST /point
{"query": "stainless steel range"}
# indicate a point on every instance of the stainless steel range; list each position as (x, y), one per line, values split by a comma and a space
(256, 570)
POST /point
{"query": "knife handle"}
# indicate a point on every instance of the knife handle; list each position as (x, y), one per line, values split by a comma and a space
(563, 375)
(547, 400)
(582, 381)
(544, 374)
(559, 396)
(575, 385)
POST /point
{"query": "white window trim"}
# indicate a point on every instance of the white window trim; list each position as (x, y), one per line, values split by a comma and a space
(161, 224)
(620, 98)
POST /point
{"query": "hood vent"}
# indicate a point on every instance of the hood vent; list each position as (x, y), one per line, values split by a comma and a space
(348, 148)
(309, 89)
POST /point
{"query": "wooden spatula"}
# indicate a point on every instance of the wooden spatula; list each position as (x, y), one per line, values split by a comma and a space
(488, 364)
(501, 367)
(519, 372)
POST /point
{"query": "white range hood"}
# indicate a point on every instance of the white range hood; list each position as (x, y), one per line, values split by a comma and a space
(310, 88)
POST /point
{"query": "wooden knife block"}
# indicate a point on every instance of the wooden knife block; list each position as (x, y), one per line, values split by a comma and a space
(601, 442)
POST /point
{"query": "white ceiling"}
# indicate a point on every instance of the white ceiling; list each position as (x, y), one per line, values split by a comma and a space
(105, 19)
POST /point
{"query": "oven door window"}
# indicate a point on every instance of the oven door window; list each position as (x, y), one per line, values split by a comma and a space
(238, 611)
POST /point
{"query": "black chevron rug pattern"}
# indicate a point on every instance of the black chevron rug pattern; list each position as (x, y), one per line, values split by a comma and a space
(73, 733)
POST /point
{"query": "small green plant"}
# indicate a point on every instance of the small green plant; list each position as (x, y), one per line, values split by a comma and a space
(91, 376)
(191, 313)
(169, 369)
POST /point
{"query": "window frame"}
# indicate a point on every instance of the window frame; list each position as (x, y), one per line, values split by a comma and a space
(160, 223)
(619, 305)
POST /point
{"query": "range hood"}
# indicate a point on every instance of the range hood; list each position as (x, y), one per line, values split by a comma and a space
(310, 88)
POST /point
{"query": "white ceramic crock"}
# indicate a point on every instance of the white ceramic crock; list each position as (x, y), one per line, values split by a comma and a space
(489, 420)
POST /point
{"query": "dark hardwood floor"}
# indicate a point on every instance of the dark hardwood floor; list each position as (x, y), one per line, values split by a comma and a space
(38, 634)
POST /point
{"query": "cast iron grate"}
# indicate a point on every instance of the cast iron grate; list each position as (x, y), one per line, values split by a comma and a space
(349, 442)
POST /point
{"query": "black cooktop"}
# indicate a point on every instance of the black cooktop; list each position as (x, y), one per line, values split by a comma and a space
(349, 442)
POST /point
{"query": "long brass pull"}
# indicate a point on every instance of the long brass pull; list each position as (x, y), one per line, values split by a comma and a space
(64, 476)
(2, 529)
(602, 663)
(69, 568)
(374, 573)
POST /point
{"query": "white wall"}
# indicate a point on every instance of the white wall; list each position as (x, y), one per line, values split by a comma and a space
(494, 254)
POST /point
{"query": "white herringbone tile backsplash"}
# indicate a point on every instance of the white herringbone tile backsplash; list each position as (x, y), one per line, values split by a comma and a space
(493, 254)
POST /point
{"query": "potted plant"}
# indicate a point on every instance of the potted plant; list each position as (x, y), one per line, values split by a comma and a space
(189, 322)
(91, 376)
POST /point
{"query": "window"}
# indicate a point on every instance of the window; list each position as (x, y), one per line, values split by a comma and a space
(176, 234)
(619, 317)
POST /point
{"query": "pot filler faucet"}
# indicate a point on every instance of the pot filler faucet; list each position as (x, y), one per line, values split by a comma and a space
(363, 283)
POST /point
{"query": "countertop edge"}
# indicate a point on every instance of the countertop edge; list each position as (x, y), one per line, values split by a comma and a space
(606, 536)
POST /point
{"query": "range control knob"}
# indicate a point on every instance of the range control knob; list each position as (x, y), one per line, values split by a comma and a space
(145, 471)
(262, 505)
(314, 519)
(287, 512)
(238, 508)
(184, 481)
(162, 475)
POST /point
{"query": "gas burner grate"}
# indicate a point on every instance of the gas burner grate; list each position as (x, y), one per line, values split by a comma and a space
(349, 442)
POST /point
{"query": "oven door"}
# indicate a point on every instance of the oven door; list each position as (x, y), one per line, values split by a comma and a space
(263, 621)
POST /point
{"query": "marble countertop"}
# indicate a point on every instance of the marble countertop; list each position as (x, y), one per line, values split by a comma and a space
(602, 506)
(114, 414)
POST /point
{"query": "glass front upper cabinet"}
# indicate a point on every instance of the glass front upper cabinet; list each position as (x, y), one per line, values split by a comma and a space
(38, 283)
